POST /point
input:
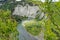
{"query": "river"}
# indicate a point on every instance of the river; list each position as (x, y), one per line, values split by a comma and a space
(23, 34)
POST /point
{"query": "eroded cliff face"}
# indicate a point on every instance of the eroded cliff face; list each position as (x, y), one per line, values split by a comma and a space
(27, 10)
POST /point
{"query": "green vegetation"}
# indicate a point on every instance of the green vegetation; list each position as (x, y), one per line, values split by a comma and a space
(9, 4)
(19, 18)
(8, 25)
(51, 23)
(33, 27)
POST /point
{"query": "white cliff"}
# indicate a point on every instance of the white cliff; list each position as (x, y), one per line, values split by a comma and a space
(27, 10)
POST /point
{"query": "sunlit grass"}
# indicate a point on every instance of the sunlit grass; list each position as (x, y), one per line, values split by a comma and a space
(33, 27)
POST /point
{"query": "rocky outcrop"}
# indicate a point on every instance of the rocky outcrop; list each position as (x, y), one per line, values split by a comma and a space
(27, 10)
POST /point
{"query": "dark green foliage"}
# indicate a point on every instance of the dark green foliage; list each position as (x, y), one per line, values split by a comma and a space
(51, 22)
(19, 18)
(8, 25)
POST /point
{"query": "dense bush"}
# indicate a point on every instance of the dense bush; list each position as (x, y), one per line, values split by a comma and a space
(33, 27)
(51, 23)
(8, 25)
(19, 18)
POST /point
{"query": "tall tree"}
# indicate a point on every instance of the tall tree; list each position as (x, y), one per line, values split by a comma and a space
(51, 23)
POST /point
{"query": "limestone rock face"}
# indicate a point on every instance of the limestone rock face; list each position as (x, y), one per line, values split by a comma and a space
(18, 0)
(27, 10)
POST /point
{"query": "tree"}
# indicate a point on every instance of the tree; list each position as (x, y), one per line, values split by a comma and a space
(8, 25)
(51, 23)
